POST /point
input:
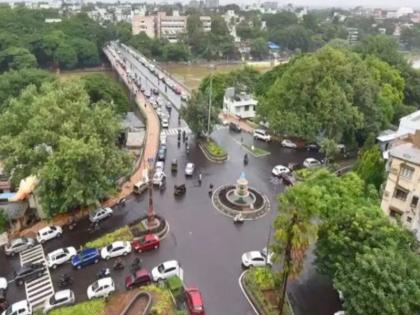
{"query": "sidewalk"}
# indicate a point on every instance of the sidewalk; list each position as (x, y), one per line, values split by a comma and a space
(150, 147)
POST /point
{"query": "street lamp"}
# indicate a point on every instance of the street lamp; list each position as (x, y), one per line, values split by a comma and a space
(150, 210)
(211, 67)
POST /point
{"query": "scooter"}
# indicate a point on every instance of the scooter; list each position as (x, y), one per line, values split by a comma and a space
(103, 273)
(65, 281)
(238, 218)
(136, 264)
(118, 265)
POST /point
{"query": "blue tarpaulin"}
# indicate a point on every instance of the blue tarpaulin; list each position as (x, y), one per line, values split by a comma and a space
(273, 46)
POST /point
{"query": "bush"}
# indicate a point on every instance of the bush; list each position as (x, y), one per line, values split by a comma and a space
(176, 286)
(214, 148)
(263, 278)
(162, 301)
(122, 234)
(94, 307)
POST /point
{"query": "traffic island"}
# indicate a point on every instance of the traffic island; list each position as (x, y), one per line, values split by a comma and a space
(212, 151)
(140, 227)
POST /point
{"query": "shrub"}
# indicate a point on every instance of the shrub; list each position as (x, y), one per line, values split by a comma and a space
(96, 307)
(4, 222)
(263, 278)
(214, 148)
(122, 234)
(162, 301)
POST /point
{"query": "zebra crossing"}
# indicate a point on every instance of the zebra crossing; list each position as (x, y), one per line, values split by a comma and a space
(37, 290)
(174, 131)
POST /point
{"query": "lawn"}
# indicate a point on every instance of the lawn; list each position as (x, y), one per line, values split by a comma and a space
(122, 234)
(257, 152)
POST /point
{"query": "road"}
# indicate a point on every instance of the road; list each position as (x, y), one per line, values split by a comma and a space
(207, 244)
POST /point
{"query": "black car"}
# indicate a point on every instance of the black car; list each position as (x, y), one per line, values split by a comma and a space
(162, 153)
(234, 127)
(29, 272)
(312, 147)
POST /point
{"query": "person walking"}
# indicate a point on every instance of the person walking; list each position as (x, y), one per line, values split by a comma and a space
(210, 190)
(199, 179)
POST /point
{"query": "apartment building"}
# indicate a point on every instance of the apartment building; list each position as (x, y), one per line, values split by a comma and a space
(206, 23)
(145, 24)
(402, 190)
(240, 104)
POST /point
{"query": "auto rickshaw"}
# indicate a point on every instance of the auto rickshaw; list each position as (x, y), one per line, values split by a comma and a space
(179, 190)
(174, 166)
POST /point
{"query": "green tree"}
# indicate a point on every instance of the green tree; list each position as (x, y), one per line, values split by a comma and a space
(371, 167)
(16, 58)
(259, 49)
(329, 149)
(196, 114)
(86, 51)
(280, 20)
(66, 56)
(295, 230)
(194, 24)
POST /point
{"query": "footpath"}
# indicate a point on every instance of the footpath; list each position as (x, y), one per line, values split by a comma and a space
(150, 147)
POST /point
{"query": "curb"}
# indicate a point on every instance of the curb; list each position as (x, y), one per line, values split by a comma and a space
(245, 293)
(138, 295)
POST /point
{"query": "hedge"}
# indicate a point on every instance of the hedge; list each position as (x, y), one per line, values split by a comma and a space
(122, 234)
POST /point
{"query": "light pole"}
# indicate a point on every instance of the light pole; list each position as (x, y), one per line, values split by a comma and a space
(150, 210)
(210, 100)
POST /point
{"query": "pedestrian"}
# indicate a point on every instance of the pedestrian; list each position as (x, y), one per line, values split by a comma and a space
(210, 190)
(199, 179)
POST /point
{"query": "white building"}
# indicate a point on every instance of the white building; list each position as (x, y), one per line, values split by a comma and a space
(241, 105)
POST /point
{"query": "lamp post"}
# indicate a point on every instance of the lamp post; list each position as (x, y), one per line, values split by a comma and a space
(210, 100)
(150, 210)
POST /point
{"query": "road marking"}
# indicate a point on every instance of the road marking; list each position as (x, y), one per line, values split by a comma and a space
(39, 289)
(174, 131)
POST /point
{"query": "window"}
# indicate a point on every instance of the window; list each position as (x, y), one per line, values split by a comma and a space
(394, 213)
(246, 108)
(414, 201)
(400, 194)
(406, 171)
(409, 219)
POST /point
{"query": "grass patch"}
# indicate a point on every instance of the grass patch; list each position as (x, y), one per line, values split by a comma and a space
(257, 152)
(214, 149)
(162, 300)
(122, 234)
(94, 307)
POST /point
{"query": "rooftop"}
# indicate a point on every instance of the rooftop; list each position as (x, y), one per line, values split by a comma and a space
(407, 152)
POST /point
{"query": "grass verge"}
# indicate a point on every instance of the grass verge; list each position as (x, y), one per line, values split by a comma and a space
(257, 152)
(94, 307)
(122, 234)
(162, 300)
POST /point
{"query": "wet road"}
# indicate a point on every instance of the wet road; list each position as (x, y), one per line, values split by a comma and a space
(207, 244)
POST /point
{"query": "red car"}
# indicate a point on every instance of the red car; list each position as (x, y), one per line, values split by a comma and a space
(149, 242)
(194, 301)
(138, 278)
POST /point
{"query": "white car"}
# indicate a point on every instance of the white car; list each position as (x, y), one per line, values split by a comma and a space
(3, 284)
(115, 249)
(19, 308)
(60, 256)
(166, 270)
(48, 233)
(340, 313)
(159, 177)
(256, 259)
(159, 166)
(279, 170)
(162, 138)
(59, 299)
(288, 144)
(100, 214)
(261, 134)
(165, 123)
(189, 169)
(311, 162)
(101, 288)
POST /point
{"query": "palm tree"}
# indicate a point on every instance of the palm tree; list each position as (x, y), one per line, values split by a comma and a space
(295, 229)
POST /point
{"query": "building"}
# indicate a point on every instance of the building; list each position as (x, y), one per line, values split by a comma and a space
(352, 35)
(206, 23)
(402, 190)
(145, 24)
(241, 104)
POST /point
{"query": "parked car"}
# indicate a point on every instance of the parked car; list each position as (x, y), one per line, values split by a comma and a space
(48, 233)
(159, 178)
(142, 185)
(261, 134)
(166, 270)
(164, 123)
(288, 179)
(19, 308)
(60, 256)
(29, 272)
(312, 147)
(100, 214)
(288, 144)
(148, 242)
(194, 301)
(115, 249)
(311, 162)
(160, 165)
(18, 245)
(234, 127)
(59, 299)
(256, 259)
(86, 257)
(138, 278)
(163, 138)
(340, 313)
(278, 170)
(189, 169)
(162, 153)
(101, 288)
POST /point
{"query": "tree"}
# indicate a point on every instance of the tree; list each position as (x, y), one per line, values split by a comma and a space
(294, 231)
(259, 49)
(66, 56)
(329, 149)
(194, 24)
(196, 114)
(371, 167)
(175, 52)
(16, 58)
(381, 281)
(86, 51)
(280, 20)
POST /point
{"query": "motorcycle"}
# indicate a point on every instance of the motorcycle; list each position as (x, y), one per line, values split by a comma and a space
(122, 202)
(118, 265)
(103, 273)
(246, 159)
(136, 264)
(65, 281)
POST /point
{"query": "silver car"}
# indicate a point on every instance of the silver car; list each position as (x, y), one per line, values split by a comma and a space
(100, 214)
(18, 245)
(59, 299)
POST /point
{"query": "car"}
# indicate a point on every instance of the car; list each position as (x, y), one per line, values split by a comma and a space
(142, 185)
(286, 143)
(160, 165)
(100, 214)
(163, 138)
(101, 288)
(164, 122)
(184, 97)
(177, 90)
(189, 169)
(166, 270)
(194, 301)
(48, 233)
(3, 286)
(138, 278)
(256, 258)
(311, 162)
(19, 308)
(159, 177)
(234, 127)
(288, 179)
(340, 313)
(60, 256)
(312, 147)
(18, 245)
(261, 134)
(161, 154)
(86, 257)
(59, 299)
(278, 170)
(148, 242)
(29, 272)
(115, 249)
